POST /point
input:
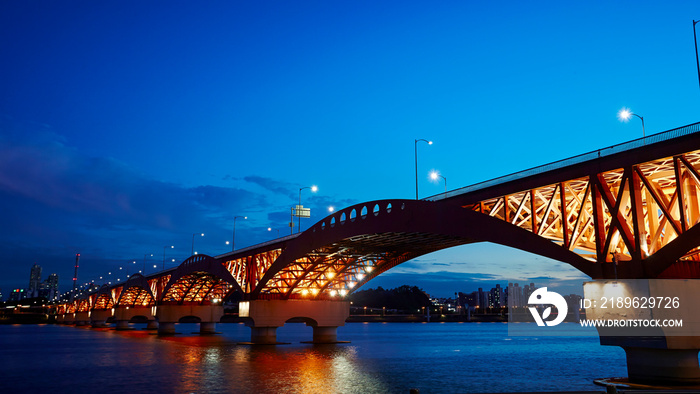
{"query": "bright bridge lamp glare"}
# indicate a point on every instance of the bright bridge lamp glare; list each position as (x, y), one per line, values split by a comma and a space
(435, 176)
(314, 189)
(415, 150)
(625, 114)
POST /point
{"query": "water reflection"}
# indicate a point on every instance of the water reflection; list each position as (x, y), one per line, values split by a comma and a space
(219, 363)
(381, 358)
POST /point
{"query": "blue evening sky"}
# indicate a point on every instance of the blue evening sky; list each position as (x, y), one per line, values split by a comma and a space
(128, 126)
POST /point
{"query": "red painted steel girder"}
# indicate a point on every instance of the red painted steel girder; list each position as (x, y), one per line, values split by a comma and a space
(198, 269)
(415, 227)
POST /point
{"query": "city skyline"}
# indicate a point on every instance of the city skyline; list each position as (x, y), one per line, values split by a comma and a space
(116, 142)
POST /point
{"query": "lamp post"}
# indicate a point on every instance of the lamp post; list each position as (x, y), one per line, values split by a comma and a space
(165, 247)
(435, 175)
(314, 189)
(415, 149)
(233, 239)
(202, 234)
(695, 37)
(144, 262)
(278, 231)
(625, 115)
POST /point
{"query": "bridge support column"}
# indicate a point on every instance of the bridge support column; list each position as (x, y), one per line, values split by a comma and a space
(152, 325)
(122, 325)
(169, 314)
(82, 318)
(98, 317)
(656, 355)
(263, 335)
(166, 328)
(324, 316)
(207, 328)
(671, 366)
(325, 334)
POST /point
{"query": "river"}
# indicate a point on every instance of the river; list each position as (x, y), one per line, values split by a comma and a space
(380, 358)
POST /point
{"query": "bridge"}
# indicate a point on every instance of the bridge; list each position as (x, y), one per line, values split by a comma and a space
(628, 211)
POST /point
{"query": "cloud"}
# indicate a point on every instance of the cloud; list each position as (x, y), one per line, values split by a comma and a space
(278, 187)
(56, 201)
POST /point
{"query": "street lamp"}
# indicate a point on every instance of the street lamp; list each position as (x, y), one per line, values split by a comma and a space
(144, 263)
(625, 114)
(415, 148)
(435, 175)
(193, 241)
(278, 231)
(314, 189)
(331, 209)
(165, 247)
(233, 239)
(695, 37)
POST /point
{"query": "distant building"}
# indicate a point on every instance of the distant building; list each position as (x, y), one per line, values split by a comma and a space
(17, 295)
(34, 281)
(497, 297)
(515, 295)
(573, 302)
(468, 301)
(49, 287)
(527, 291)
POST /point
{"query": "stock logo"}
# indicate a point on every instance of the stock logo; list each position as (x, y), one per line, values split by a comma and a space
(543, 297)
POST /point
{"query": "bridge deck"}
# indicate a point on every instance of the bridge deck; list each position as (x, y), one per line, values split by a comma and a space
(580, 161)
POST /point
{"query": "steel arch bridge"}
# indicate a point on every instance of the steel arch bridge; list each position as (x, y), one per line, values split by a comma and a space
(627, 211)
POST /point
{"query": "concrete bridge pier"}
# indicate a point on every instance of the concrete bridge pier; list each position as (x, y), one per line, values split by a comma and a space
(82, 318)
(122, 325)
(325, 334)
(122, 315)
(324, 316)
(207, 328)
(98, 317)
(665, 355)
(152, 325)
(263, 335)
(169, 314)
(166, 328)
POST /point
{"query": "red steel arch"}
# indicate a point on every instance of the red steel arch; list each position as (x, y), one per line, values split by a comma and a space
(199, 279)
(351, 246)
(104, 298)
(136, 292)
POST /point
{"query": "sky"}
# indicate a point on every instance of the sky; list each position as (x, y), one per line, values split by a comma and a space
(126, 127)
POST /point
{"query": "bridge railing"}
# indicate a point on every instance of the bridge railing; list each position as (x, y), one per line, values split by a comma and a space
(611, 150)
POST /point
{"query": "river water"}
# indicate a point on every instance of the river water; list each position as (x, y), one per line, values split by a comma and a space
(380, 358)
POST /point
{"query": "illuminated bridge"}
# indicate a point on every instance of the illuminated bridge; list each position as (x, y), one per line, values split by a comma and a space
(622, 212)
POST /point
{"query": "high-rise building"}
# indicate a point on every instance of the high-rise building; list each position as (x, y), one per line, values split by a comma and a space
(497, 299)
(515, 295)
(17, 295)
(52, 285)
(34, 281)
(49, 288)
